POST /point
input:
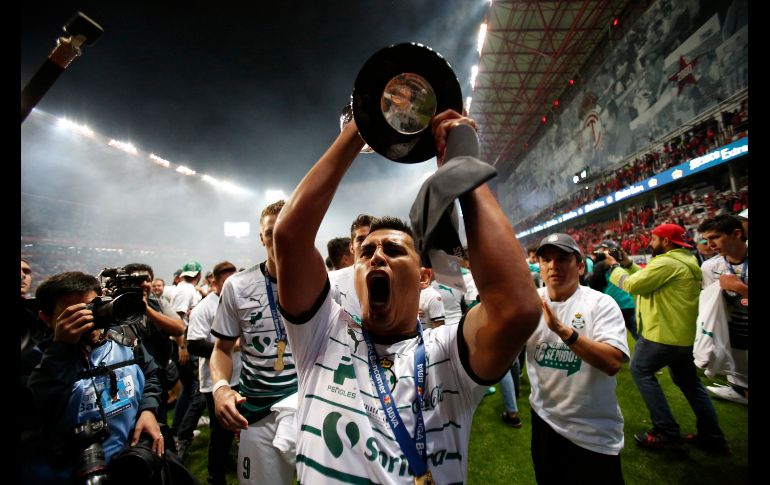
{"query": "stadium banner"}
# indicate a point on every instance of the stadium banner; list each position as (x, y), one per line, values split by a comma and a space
(707, 161)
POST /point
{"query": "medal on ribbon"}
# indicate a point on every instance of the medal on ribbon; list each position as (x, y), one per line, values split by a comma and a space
(280, 347)
(280, 330)
(426, 479)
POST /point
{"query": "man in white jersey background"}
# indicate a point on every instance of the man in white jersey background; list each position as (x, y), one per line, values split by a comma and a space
(190, 405)
(572, 359)
(340, 252)
(248, 309)
(342, 286)
(416, 419)
(200, 343)
(431, 307)
(730, 267)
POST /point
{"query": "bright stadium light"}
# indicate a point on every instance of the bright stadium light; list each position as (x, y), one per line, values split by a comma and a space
(482, 36)
(211, 180)
(232, 188)
(121, 145)
(468, 104)
(160, 161)
(474, 73)
(71, 125)
(184, 170)
(275, 194)
(236, 229)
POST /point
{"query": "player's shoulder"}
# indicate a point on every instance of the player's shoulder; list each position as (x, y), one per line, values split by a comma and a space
(712, 263)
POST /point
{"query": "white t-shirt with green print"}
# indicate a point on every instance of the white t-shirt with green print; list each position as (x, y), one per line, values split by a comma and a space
(576, 399)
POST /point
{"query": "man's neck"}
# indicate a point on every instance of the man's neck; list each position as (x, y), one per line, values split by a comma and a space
(392, 337)
(562, 294)
(270, 266)
(737, 256)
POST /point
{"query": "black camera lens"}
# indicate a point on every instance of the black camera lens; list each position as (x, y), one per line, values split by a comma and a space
(110, 312)
(128, 306)
(91, 461)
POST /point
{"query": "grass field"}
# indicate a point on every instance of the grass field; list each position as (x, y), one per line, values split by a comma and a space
(500, 454)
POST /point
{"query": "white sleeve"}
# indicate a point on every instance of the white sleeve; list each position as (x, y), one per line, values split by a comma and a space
(436, 308)
(710, 271)
(308, 339)
(609, 326)
(226, 318)
(199, 327)
(181, 302)
(334, 287)
(471, 391)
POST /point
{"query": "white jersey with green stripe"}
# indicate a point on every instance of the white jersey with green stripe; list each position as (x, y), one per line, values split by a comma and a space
(344, 436)
(244, 311)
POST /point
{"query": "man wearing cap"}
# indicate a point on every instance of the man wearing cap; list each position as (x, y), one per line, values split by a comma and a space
(191, 403)
(668, 289)
(572, 358)
(248, 309)
(731, 269)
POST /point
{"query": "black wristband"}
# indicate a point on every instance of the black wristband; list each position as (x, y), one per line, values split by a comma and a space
(572, 338)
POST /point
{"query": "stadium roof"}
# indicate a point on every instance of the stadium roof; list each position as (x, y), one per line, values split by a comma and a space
(532, 49)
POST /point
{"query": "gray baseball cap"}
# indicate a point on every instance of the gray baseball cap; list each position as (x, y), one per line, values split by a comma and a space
(561, 241)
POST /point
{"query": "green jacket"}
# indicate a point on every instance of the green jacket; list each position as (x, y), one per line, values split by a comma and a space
(668, 289)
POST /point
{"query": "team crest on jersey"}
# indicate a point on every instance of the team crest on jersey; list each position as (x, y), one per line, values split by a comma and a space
(578, 321)
(390, 375)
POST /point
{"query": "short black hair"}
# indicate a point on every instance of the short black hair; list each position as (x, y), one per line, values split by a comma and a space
(221, 268)
(389, 222)
(134, 267)
(63, 284)
(724, 223)
(337, 248)
(360, 221)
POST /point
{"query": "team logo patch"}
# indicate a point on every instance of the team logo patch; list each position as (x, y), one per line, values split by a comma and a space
(553, 238)
(578, 321)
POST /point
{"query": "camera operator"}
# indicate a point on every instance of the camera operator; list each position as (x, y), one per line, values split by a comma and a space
(96, 388)
(599, 280)
(156, 329)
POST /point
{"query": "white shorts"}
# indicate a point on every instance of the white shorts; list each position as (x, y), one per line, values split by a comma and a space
(259, 462)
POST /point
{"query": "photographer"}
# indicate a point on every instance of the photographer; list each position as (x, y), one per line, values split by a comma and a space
(96, 389)
(599, 280)
(156, 328)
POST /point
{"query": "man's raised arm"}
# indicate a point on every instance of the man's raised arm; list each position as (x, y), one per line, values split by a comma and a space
(510, 309)
(301, 270)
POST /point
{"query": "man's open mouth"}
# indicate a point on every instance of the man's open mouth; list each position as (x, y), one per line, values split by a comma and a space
(379, 288)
